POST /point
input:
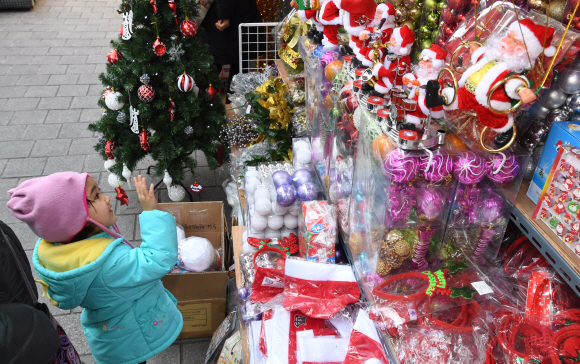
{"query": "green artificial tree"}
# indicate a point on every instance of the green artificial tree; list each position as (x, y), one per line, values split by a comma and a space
(161, 96)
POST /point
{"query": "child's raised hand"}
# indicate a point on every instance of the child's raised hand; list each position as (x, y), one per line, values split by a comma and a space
(146, 197)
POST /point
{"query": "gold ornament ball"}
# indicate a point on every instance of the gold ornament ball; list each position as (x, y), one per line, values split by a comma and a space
(537, 5)
(328, 102)
(332, 69)
(410, 24)
(415, 14)
(557, 9)
(400, 14)
(395, 3)
(409, 4)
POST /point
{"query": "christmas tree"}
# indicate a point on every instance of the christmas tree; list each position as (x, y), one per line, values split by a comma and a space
(160, 96)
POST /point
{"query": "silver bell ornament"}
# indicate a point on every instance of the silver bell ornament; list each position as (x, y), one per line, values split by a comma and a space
(574, 103)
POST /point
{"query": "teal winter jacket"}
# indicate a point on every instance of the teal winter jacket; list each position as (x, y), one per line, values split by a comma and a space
(128, 316)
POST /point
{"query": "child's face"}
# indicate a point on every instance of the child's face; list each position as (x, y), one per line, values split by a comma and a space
(101, 210)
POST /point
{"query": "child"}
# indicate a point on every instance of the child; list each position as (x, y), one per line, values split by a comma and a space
(128, 316)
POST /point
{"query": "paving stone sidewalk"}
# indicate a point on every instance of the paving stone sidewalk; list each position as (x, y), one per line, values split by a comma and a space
(50, 59)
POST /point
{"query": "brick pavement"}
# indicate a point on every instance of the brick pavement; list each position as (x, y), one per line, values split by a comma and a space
(50, 59)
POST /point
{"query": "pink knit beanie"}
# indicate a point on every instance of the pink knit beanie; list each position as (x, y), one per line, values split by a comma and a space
(54, 206)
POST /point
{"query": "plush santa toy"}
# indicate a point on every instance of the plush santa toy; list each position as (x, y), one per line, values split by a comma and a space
(385, 15)
(432, 61)
(357, 15)
(308, 10)
(388, 72)
(326, 17)
(503, 55)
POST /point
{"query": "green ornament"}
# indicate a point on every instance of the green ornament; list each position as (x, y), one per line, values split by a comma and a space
(553, 222)
(432, 19)
(573, 207)
(455, 267)
(441, 6)
(334, 114)
(465, 292)
(430, 5)
(435, 36)
(425, 44)
(415, 14)
(424, 32)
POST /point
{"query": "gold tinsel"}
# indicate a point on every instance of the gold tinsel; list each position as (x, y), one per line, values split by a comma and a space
(269, 9)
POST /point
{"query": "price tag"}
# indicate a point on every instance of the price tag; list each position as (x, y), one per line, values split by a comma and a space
(248, 109)
(482, 288)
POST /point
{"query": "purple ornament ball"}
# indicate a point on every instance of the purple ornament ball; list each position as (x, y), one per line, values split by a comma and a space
(307, 192)
(281, 178)
(328, 57)
(243, 293)
(301, 176)
(400, 167)
(469, 168)
(492, 207)
(436, 168)
(432, 203)
(339, 255)
(285, 195)
(502, 167)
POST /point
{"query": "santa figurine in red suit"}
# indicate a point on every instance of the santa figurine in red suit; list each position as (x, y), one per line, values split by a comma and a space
(503, 55)
(357, 15)
(327, 19)
(391, 71)
(385, 19)
(432, 60)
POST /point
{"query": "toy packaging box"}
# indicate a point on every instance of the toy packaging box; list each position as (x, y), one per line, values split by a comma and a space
(562, 133)
(317, 231)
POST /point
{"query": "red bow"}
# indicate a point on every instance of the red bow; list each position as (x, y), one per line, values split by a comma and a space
(122, 196)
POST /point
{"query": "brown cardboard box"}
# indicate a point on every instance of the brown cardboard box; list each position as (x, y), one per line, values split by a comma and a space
(201, 297)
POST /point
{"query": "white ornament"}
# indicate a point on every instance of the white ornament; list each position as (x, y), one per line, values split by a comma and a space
(176, 193)
(252, 173)
(259, 222)
(275, 222)
(134, 120)
(115, 181)
(285, 232)
(291, 221)
(127, 174)
(277, 209)
(109, 163)
(112, 101)
(294, 209)
(303, 157)
(180, 233)
(272, 194)
(175, 52)
(247, 248)
(167, 179)
(197, 254)
(272, 234)
(257, 234)
(127, 25)
(251, 184)
(263, 206)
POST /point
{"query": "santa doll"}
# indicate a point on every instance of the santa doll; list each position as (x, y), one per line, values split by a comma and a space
(380, 30)
(503, 55)
(432, 60)
(357, 15)
(390, 71)
(326, 17)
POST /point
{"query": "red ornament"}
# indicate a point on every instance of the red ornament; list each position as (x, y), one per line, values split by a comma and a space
(154, 4)
(144, 140)
(460, 18)
(448, 15)
(146, 93)
(171, 110)
(109, 149)
(185, 82)
(441, 42)
(196, 187)
(107, 91)
(212, 92)
(448, 31)
(122, 196)
(113, 57)
(458, 5)
(159, 47)
(173, 6)
(188, 28)
(121, 32)
(350, 104)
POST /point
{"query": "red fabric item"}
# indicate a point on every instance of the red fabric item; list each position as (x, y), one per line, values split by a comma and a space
(318, 290)
(485, 116)
(364, 345)
(262, 344)
(331, 33)
(543, 35)
(268, 282)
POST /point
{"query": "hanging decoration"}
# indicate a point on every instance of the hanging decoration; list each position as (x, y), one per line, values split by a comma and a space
(176, 50)
(112, 100)
(159, 47)
(188, 130)
(109, 147)
(185, 83)
(188, 28)
(113, 57)
(146, 92)
(212, 92)
(127, 30)
(154, 4)
(171, 110)
(122, 196)
(134, 122)
(121, 117)
(173, 6)
(196, 187)
(144, 140)
(107, 91)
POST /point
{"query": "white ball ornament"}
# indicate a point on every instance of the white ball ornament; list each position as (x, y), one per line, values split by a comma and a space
(127, 174)
(294, 209)
(303, 157)
(252, 173)
(115, 181)
(275, 222)
(109, 163)
(251, 184)
(285, 232)
(259, 222)
(250, 200)
(272, 234)
(272, 194)
(112, 101)
(247, 248)
(197, 254)
(263, 206)
(167, 179)
(279, 210)
(176, 193)
(258, 234)
(291, 221)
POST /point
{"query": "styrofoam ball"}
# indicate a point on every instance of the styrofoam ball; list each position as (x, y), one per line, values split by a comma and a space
(109, 163)
(251, 185)
(294, 209)
(180, 233)
(250, 200)
(275, 222)
(272, 234)
(285, 232)
(303, 157)
(263, 206)
(112, 101)
(279, 210)
(115, 181)
(301, 145)
(291, 221)
(272, 194)
(252, 173)
(197, 254)
(259, 222)
(247, 248)
(257, 234)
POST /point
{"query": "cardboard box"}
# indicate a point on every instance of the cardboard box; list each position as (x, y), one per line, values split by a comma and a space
(201, 296)
(562, 133)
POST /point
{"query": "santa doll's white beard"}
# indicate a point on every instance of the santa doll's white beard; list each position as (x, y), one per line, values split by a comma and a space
(423, 72)
(517, 61)
(375, 23)
(395, 49)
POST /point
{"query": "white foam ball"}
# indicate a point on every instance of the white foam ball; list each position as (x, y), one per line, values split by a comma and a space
(197, 254)
(259, 222)
(301, 145)
(109, 163)
(250, 200)
(272, 194)
(115, 181)
(252, 173)
(257, 234)
(285, 232)
(272, 234)
(279, 210)
(303, 157)
(263, 206)
(294, 209)
(275, 222)
(112, 101)
(291, 221)
(251, 185)
(247, 248)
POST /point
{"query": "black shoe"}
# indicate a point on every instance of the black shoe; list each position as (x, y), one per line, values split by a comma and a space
(311, 33)
(502, 139)
(318, 38)
(345, 50)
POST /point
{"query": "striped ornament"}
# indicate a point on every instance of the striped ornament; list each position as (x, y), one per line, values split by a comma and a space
(185, 83)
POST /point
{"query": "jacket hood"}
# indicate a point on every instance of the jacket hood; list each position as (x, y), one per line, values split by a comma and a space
(66, 271)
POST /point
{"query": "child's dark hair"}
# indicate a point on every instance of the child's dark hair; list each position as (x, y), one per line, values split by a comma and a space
(89, 230)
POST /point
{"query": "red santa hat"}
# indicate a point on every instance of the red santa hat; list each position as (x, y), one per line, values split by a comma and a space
(405, 37)
(436, 54)
(388, 12)
(536, 37)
